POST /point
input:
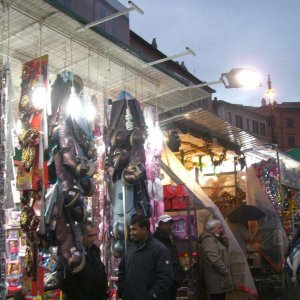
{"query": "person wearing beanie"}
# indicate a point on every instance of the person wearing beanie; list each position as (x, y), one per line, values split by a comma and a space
(163, 233)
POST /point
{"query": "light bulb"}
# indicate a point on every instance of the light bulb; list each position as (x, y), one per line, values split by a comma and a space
(18, 127)
(89, 109)
(74, 106)
(39, 95)
(248, 78)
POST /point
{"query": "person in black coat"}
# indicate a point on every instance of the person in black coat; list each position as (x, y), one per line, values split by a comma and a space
(163, 234)
(91, 282)
(145, 270)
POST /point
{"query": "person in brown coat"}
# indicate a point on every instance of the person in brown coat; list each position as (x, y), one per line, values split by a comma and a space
(215, 260)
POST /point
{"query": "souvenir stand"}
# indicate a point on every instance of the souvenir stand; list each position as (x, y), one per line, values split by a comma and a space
(280, 181)
(273, 187)
(43, 177)
(203, 178)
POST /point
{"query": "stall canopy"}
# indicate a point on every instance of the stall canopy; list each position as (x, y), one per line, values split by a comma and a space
(101, 62)
(294, 153)
(240, 270)
(202, 123)
(289, 168)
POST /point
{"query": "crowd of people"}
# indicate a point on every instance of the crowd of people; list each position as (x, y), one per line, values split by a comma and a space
(150, 267)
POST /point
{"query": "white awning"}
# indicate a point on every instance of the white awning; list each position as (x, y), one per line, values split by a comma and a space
(102, 64)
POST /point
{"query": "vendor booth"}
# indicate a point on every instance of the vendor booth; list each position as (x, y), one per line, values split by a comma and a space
(90, 145)
(42, 51)
(206, 158)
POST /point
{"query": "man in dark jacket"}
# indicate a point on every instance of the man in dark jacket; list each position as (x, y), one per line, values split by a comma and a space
(163, 233)
(145, 270)
(91, 282)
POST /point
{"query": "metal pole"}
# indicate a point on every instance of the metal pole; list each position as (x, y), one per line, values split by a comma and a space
(235, 176)
(124, 217)
(280, 186)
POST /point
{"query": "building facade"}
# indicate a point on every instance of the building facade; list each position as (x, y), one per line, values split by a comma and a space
(243, 117)
(284, 123)
(90, 10)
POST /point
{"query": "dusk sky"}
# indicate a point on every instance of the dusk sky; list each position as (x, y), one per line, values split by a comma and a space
(225, 34)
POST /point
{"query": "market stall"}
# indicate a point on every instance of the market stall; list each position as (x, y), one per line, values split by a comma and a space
(41, 50)
(191, 204)
(279, 177)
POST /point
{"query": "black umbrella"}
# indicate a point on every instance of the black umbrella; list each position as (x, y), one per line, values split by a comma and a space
(243, 213)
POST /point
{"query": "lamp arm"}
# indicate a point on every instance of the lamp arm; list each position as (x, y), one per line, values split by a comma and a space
(202, 85)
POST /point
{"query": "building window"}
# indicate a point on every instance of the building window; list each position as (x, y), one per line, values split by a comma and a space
(262, 128)
(291, 141)
(239, 121)
(229, 120)
(255, 127)
(289, 122)
(248, 124)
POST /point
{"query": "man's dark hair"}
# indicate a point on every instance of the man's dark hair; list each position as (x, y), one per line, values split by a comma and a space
(82, 226)
(141, 221)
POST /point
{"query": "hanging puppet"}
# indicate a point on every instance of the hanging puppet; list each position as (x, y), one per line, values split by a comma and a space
(73, 155)
(127, 158)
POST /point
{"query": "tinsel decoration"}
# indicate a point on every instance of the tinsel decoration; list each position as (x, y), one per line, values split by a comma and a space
(101, 199)
(267, 173)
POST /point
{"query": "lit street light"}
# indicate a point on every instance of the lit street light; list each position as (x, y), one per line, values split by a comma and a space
(235, 78)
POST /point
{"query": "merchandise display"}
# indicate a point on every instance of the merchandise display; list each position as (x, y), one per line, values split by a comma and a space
(4, 175)
(153, 147)
(81, 139)
(127, 159)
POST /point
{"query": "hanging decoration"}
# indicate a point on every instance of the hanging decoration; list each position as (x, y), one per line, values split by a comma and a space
(206, 149)
(153, 147)
(32, 175)
(100, 200)
(127, 160)
(267, 173)
(73, 154)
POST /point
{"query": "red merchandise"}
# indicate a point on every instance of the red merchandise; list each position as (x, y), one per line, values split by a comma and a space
(175, 197)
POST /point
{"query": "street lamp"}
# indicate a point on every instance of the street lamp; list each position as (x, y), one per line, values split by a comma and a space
(270, 96)
(235, 78)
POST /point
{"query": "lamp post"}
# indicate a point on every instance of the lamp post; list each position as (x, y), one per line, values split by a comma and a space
(235, 78)
(270, 96)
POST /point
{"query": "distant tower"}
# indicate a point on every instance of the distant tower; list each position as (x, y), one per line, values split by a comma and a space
(263, 102)
(270, 92)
